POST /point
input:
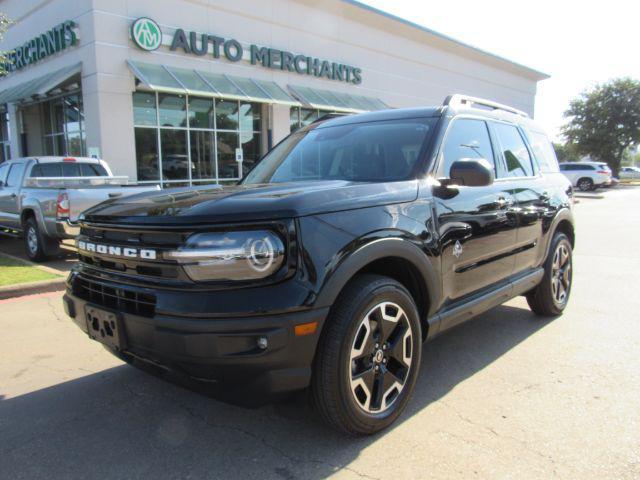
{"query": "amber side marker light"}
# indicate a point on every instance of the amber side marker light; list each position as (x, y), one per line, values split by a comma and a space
(306, 329)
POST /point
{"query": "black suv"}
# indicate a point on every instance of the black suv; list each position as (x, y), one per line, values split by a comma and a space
(346, 247)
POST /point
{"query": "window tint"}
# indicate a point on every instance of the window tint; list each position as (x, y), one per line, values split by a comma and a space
(466, 138)
(92, 170)
(46, 170)
(70, 170)
(4, 169)
(15, 175)
(543, 151)
(514, 151)
(362, 152)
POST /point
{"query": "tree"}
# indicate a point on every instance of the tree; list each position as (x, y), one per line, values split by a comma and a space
(566, 152)
(605, 121)
(4, 25)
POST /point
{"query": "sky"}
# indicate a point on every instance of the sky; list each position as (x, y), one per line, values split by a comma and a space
(579, 44)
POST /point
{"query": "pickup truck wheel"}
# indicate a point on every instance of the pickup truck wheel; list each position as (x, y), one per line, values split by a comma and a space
(368, 358)
(33, 241)
(585, 184)
(551, 296)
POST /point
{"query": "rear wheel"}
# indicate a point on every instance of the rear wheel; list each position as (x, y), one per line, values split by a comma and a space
(368, 358)
(585, 184)
(551, 296)
(33, 241)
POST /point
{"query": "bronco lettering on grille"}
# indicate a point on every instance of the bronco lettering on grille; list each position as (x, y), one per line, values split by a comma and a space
(128, 252)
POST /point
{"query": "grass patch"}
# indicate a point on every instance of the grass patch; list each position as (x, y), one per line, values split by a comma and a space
(13, 272)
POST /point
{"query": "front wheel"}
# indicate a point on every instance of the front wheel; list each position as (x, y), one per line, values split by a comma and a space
(551, 296)
(369, 355)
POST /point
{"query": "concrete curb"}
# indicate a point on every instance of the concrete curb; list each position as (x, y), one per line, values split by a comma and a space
(31, 288)
(589, 195)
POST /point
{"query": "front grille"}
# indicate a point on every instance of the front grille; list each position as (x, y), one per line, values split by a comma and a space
(117, 298)
(126, 237)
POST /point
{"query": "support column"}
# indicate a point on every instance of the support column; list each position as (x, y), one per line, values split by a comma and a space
(280, 122)
(15, 127)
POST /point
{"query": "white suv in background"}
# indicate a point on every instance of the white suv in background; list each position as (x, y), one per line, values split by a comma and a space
(587, 175)
(630, 173)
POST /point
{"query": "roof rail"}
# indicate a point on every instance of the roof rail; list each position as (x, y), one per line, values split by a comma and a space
(465, 100)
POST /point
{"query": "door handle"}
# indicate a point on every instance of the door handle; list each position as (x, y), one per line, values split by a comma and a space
(13, 195)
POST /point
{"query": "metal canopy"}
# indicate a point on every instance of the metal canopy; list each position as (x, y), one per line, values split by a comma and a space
(39, 85)
(336, 101)
(163, 78)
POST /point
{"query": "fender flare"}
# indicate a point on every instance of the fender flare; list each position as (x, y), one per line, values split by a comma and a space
(563, 214)
(376, 250)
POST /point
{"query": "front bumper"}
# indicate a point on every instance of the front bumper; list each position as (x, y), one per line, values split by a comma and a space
(223, 350)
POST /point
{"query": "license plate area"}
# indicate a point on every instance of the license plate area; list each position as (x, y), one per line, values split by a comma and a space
(105, 327)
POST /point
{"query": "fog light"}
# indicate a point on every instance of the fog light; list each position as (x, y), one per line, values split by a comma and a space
(263, 343)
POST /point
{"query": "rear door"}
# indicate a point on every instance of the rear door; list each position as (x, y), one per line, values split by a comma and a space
(9, 200)
(476, 225)
(530, 190)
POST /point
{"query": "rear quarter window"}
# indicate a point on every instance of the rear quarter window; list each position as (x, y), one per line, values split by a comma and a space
(543, 151)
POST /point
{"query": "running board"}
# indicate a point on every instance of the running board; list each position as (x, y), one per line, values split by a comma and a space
(460, 314)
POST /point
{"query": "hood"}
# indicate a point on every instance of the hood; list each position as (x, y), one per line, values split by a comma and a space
(248, 202)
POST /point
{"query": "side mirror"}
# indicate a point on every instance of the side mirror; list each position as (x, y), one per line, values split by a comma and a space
(471, 172)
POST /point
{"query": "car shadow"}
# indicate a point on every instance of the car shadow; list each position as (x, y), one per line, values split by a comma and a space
(123, 423)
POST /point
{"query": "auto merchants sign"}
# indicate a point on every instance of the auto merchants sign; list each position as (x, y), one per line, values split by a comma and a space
(147, 35)
(52, 41)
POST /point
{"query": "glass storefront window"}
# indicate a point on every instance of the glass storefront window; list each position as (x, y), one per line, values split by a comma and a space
(194, 139)
(227, 165)
(4, 136)
(147, 153)
(201, 113)
(172, 110)
(249, 117)
(63, 125)
(203, 156)
(250, 143)
(175, 160)
(226, 115)
(301, 117)
(144, 108)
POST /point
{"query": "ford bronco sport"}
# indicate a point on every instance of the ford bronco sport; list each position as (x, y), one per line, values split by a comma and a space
(350, 243)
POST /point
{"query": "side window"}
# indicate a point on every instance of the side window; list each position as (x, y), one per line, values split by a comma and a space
(466, 138)
(46, 170)
(543, 151)
(4, 169)
(15, 175)
(514, 151)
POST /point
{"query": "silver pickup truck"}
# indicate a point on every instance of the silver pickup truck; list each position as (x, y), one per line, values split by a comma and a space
(41, 198)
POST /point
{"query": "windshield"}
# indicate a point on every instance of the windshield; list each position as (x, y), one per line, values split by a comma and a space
(363, 152)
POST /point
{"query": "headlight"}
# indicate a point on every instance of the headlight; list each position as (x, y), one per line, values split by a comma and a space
(239, 255)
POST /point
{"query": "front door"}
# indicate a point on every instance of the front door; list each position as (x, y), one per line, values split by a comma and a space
(477, 225)
(9, 201)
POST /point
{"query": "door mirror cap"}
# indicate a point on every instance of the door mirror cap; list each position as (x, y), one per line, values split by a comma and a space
(471, 172)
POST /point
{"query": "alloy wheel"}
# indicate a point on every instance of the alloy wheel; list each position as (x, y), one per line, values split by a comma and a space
(32, 240)
(561, 274)
(381, 357)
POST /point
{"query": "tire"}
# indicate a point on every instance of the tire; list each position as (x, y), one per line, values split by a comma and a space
(33, 241)
(585, 184)
(551, 296)
(353, 362)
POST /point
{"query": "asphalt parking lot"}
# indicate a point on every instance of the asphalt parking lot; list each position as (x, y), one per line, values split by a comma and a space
(507, 395)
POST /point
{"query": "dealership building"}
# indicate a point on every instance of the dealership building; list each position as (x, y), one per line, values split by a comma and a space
(181, 92)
